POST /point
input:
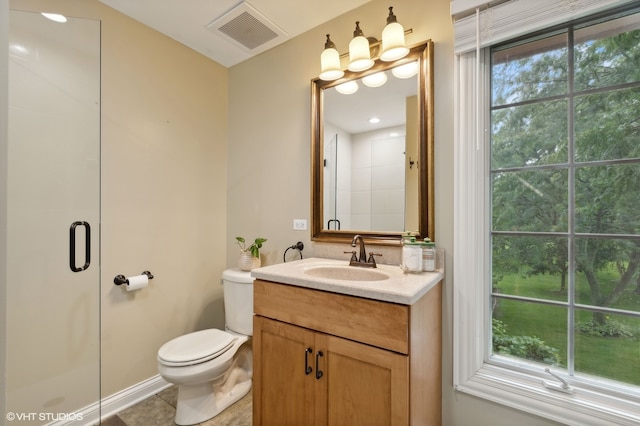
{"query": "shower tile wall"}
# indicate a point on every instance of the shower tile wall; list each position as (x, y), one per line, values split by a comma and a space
(378, 180)
(369, 187)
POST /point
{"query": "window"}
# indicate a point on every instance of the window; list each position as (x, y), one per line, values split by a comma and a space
(565, 200)
(549, 274)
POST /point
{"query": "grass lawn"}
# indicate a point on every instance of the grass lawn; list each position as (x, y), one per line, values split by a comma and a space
(615, 358)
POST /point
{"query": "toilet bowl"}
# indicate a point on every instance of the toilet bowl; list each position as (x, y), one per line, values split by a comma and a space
(212, 367)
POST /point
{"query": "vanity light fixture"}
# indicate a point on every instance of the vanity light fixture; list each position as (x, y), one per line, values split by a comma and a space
(330, 62)
(393, 44)
(375, 80)
(56, 17)
(359, 51)
(348, 88)
(405, 71)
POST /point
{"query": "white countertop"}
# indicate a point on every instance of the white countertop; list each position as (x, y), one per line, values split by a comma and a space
(399, 287)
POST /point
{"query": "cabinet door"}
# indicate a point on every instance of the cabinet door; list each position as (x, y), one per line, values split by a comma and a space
(365, 386)
(283, 389)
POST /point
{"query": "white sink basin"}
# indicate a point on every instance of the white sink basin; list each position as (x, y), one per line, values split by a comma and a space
(347, 273)
(387, 283)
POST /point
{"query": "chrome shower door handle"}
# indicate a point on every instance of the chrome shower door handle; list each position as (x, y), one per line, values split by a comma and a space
(72, 246)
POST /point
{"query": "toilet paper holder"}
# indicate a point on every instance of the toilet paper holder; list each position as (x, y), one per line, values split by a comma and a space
(121, 279)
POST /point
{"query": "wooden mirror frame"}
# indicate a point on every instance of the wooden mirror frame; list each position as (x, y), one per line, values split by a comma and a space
(423, 53)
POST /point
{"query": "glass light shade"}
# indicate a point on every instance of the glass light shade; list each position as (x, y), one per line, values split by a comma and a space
(348, 88)
(393, 44)
(359, 54)
(375, 80)
(405, 71)
(330, 65)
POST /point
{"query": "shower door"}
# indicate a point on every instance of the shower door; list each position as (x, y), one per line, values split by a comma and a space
(330, 174)
(53, 277)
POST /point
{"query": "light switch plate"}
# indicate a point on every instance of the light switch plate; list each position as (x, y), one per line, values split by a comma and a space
(300, 224)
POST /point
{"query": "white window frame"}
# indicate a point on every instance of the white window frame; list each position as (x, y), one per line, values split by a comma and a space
(519, 386)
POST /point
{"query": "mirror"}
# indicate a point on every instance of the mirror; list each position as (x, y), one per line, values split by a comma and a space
(376, 179)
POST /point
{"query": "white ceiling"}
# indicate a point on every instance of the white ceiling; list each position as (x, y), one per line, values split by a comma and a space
(186, 21)
(388, 103)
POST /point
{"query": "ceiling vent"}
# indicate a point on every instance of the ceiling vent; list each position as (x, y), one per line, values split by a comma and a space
(245, 26)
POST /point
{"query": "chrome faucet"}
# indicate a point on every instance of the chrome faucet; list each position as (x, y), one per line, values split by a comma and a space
(362, 261)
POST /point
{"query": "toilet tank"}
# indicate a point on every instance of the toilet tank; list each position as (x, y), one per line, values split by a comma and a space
(238, 300)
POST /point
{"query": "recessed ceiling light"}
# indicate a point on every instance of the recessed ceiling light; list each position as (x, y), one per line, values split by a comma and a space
(56, 17)
(374, 120)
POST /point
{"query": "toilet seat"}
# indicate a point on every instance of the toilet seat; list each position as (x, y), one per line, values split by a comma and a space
(195, 348)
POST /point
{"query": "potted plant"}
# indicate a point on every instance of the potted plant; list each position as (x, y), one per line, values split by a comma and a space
(249, 256)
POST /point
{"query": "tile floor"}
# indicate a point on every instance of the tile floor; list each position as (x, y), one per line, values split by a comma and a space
(160, 410)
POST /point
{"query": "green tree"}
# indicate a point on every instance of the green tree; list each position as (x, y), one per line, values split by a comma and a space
(535, 125)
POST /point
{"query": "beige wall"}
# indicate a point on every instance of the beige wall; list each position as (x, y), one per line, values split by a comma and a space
(164, 133)
(269, 158)
(163, 194)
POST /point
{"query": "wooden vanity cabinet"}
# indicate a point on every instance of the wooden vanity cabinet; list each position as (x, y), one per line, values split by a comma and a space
(324, 358)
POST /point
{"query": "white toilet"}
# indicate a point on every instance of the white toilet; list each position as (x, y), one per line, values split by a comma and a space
(213, 368)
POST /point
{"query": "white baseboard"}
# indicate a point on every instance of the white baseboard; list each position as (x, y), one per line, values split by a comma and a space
(107, 407)
(131, 396)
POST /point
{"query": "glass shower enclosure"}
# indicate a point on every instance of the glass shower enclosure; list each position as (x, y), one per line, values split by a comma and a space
(53, 221)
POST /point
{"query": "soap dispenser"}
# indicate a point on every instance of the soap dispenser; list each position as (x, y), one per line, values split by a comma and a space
(428, 255)
(411, 254)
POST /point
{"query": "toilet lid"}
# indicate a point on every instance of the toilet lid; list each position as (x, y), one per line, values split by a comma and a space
(196, 347)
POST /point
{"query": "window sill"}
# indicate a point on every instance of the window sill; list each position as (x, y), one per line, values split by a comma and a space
(526, 393)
